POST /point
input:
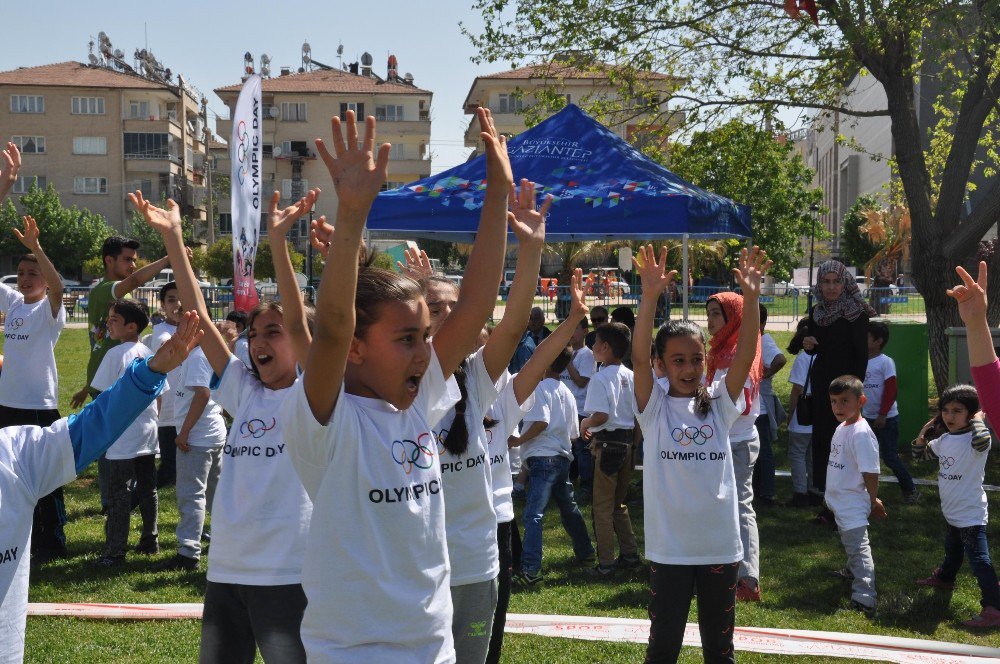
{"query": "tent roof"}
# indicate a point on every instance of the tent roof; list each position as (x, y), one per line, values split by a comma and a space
(604, 189)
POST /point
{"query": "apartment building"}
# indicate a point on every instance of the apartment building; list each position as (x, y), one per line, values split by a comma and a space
(508, 93)
(297, 108)
(97, 131)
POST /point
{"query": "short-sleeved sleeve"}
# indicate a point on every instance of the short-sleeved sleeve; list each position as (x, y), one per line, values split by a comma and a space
(726, 410)
(866, 450)
(234, 385)
(436, 395)
(478, 382)
(657, 396)
(541, 411)
(507, 410)
(769, 349)
(8, 297)
(597, 396)
(110, 370)
(888, 368)
(43, 457)
(585, 366)
(59, 320)
(199, 372)
(800, 370)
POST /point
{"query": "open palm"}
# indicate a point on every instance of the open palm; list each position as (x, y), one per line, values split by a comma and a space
(525, 219)
(175, 350)
(279, 221)
(753, 265)
(12, 163)
(163, 220)
(29, 237)
(578, 305)
(652, 271)
(358, 173)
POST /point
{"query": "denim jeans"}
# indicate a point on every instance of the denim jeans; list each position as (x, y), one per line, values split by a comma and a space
(888, 448)
(238, 620)
(973, 541)
(584, 463)
(763, 470)
(549, 477)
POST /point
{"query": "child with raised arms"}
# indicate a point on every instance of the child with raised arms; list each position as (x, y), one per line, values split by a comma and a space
(360, 425)
(260, 513)
(691, 514)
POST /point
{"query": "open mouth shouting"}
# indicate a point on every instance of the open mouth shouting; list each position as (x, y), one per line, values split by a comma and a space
(263, 359)
(413, 383)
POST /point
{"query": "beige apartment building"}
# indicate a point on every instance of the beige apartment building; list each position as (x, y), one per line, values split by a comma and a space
(297, 108)
(508, 93)
(95, 133)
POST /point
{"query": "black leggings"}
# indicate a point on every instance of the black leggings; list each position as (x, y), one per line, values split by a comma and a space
(507, 537)
(672, 587)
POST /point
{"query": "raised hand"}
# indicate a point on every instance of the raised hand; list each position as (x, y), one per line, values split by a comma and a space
(320, 235)
(498, 171)
(12, 164)
(651, 271)
(227, 329)
(417, 266)
(358, 173)
(175, 350)
(29, 238)
(525, 219)
(971, 294)
(578, 305)
(753, 265)
(163, 220)
(279, 221)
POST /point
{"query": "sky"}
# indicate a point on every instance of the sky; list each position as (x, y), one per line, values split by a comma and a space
(208, 50)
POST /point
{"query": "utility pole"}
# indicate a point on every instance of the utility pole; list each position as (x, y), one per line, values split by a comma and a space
(210, 218)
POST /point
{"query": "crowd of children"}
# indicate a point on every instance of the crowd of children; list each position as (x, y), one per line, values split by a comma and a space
(369, 451)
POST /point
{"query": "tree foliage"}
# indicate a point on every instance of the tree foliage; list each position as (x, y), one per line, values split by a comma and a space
(749, 56)
(857, 247)
(746, 164)
(150, 241)
(69, 236)
(218, 260)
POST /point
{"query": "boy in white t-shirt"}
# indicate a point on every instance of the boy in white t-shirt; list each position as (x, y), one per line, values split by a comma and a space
(771, 414)
(166, 432)
(852, 488)
(611, 424)
(880, 407)
(132, 458)
(546, 448)
(576, 377)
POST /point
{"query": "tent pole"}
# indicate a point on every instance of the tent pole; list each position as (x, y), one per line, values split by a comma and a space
(684, 273)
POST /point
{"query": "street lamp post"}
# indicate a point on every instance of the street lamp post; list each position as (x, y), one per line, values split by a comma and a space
(814, 209)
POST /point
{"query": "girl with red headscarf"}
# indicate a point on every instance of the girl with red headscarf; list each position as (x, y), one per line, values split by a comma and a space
(725, 315)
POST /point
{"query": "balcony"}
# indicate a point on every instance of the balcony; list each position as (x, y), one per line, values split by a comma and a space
(420, 167)
(150, 164)
(404, 127)
(154, 124)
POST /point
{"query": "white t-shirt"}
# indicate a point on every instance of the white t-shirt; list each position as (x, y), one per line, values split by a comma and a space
(880, 368)
(140, 438)
(743, 428)
(611, 391)
(210, 429)
(162, 332)
(769, 350)
(260, 514)
(376, 571)
(33, 463)
(853, 450)
(470, 522)
(583, 360)
(29, 379)
(241, 349)
(798, 376)
(556, 406)
(507, 413)
(691, 513)
(960, 480)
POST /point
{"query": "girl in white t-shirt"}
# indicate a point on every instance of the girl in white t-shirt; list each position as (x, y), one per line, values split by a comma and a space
(254, 597)
(691, 514)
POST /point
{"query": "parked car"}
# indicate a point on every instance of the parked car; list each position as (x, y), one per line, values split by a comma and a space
(11, 280)
(620, 288)
(166, 275)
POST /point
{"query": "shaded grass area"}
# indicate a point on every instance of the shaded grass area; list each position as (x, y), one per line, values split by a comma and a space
(795, 559)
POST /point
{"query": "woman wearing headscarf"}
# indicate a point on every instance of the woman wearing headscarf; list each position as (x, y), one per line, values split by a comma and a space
(838, 340)
(725, 314)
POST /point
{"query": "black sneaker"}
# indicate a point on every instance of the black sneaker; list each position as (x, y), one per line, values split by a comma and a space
(602, 571)
(148, 548)
(108, 561)
(629, 562)
(869, 611)
(842, 573)
(528, 579)
(179, 562)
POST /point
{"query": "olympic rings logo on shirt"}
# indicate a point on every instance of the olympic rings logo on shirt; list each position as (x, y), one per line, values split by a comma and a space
(947, 462)
(14, 323)
(697, 435)
(256, 427)
(835, 449)
(408, 453)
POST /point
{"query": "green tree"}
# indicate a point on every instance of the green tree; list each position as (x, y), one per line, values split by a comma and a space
(151, 244)
(218, 261)
(69, 235)
(746, 164)
(856, 247)
(735, 56)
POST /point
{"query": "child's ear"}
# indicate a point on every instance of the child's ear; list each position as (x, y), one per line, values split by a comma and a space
(863, 400)
(659, 365)
(356, 353)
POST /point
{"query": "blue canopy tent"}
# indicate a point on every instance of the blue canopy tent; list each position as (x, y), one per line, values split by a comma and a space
(603, 188)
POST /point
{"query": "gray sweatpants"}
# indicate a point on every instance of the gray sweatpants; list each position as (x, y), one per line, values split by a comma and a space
(197, 475)
(744, 457)
(800, 459)
(472, 625)
(861, 564)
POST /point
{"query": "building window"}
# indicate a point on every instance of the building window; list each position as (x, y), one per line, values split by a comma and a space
(138, 110)
(23, 184)
(510, 102)
(141, 145)
(27, 104)
(86, 185)
(358, 108)
(90, 145)
(390, 113)
(145, 186)
(87, 106)
(225, 223)
(267, 150)
(399, 151)
(294, 189)
(29, 144)
(292, 111)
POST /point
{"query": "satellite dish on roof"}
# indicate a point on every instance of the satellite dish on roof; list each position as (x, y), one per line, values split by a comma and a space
(276, 151)
(306, 59)
(366, 59)
(92, 58)
(408, 78)
(340, 49)
(306, 48)
(102, 35)
(119, 54)
(265, 58)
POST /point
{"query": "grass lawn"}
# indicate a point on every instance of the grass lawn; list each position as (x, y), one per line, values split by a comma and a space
(795, 557)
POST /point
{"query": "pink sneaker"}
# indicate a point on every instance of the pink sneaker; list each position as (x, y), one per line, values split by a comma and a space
(934, 581)
(989, 618)
(747, 593)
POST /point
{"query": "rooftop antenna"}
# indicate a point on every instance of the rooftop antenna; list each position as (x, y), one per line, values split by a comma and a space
(265, 65)
(306, 56)
(340, 55)
(247, 64)
(366, 64)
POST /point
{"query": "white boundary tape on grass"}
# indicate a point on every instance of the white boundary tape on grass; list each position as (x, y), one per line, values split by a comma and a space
(747, 639)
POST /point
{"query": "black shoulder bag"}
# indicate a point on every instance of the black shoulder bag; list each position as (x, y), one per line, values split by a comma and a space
(803, 407)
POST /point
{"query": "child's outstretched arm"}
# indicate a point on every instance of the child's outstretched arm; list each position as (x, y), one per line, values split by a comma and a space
(357, 173)
(168, 223)
(531, 374)
(8, 176)
(528, 225)
(29, 238)
(417, 266)
(279, 221)
(749, 275)
(459, 333)
(654, 282)
(971, 297)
